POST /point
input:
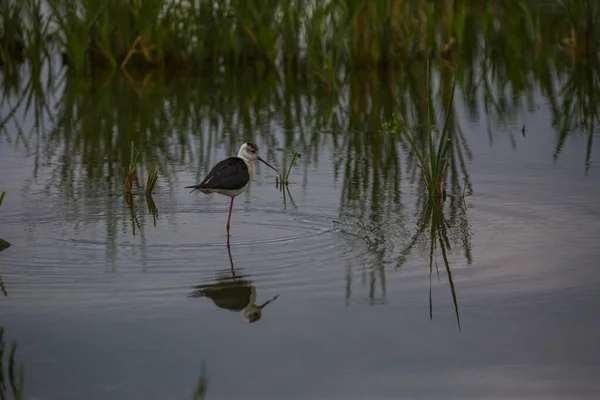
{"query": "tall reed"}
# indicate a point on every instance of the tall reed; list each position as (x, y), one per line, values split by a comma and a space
(433, 161)
(300, 36)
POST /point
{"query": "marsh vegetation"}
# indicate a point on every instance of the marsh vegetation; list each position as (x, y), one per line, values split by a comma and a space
(385, 101)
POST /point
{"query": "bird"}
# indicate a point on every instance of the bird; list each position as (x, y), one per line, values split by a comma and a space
(231, 176)
(235, 293)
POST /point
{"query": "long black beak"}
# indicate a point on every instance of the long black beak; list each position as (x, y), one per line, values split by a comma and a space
(269, 165)
(268, 301)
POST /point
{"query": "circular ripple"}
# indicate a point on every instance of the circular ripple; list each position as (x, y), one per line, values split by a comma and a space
(187, 230)
(86, 255)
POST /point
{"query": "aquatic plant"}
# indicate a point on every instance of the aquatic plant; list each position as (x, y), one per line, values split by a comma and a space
(433, 161)
(152, 178)
(12, 41)
(131, 172)
(583, 17)
(282, 181)
(299, 36)
(283, 178)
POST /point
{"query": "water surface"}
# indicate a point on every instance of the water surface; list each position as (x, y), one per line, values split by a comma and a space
(110, 300)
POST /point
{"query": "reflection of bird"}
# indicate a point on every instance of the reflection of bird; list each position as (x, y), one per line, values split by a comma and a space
(231, 177)
(233, 293)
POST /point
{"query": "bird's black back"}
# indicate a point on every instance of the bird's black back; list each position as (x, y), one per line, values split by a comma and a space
(228, 174)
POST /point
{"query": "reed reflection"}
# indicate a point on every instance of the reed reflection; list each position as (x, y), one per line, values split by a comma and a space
(233, 291)
(577, 108)
(12, 379)
(201, 385)
(441, 227)
(3, 246)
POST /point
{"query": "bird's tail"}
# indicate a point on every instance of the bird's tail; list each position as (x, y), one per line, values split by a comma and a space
(194, 188)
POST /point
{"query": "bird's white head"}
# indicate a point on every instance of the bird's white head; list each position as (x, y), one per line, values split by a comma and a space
(253, 312)
(249, 153)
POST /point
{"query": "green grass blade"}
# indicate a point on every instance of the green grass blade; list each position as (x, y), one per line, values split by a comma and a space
(417, 152)
(445, 128)
(429, 130)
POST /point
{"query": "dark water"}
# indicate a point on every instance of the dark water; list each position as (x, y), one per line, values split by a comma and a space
(105, 300)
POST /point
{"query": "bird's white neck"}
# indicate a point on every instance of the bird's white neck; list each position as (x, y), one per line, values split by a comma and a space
(249, 163)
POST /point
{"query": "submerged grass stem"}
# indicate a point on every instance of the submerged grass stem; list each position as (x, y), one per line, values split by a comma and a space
(284, 177)
(131, 173)
(432, 160)
(152, 178)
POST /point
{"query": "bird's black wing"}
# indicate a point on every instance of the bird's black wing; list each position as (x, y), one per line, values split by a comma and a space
(229, 174)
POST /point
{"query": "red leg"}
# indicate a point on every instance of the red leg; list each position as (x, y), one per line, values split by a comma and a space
(229, 218)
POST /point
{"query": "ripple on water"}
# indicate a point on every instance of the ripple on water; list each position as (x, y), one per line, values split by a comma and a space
(278, 251)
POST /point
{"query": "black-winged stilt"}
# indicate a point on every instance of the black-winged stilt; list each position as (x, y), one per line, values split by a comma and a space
(231, 176)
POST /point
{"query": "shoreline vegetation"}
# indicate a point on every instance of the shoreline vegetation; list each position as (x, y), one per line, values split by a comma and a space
(310, 38)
